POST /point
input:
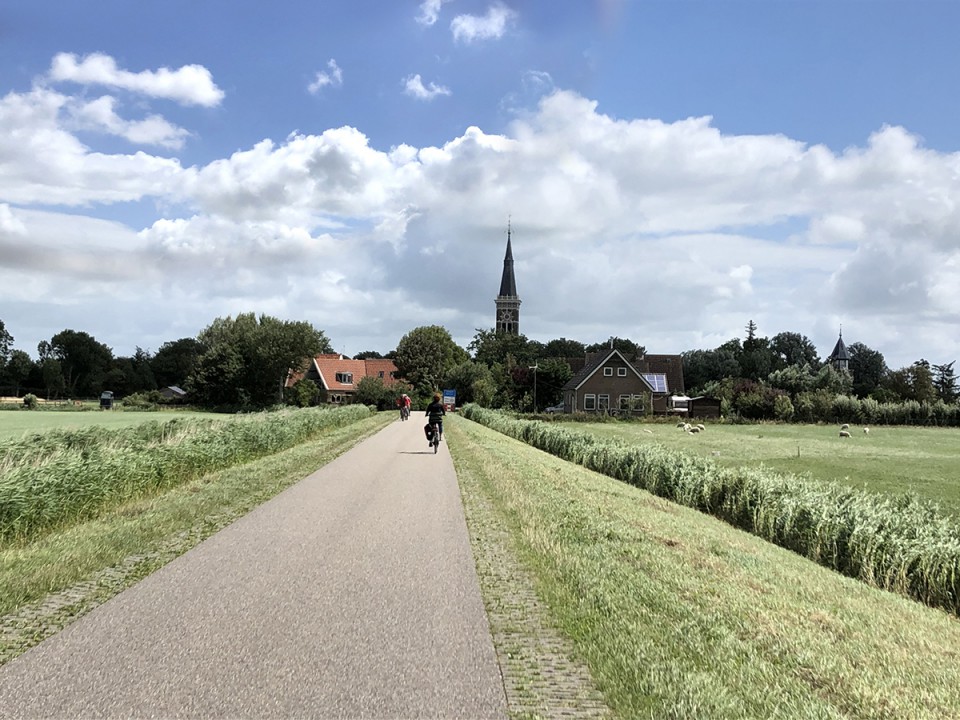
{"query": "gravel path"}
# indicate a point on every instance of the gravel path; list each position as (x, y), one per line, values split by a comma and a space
(352, 594)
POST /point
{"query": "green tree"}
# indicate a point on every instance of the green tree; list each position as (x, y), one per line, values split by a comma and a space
(53, 377)
(551, 375)
(790, 348)
(563, 348)
(465, 378)
(703, 367)
(84, 362)
(175, 361)
(493, 346)
(943, 380)
(18, 369)
(425, 355)
(371, 391)
(914, 382)
(627, 348)
(867, 368)
(368, 355)
(6, 343)
(245, 361)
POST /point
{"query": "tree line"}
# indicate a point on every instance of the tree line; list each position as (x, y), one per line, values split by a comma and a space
(244, 361)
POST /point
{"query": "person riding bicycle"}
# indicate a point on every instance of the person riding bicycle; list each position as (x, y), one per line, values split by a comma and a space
(435, 412)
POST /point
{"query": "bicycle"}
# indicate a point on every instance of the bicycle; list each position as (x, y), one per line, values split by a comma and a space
(435, 437)
(404, 413)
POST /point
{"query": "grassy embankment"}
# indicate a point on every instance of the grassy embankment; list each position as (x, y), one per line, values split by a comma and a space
(679, 615)
(888, 460)
(135, 535)
(17, 423)
(904, 543)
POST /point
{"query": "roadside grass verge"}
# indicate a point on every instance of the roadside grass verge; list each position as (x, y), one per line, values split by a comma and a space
(679, 615)
(47, 583)
(50, 480)
(890, 459)
(901, 544)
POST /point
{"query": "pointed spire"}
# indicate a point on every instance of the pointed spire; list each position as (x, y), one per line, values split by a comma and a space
(508, 283)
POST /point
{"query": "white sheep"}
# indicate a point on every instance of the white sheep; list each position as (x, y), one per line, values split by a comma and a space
(693, 429)
(845, 426)
(685, 427)
(649, 432)
(700, 427)
(844, 433)
(866, 431)
(681, 424)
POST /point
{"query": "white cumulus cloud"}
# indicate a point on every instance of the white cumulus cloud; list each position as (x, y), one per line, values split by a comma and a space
(332, 76)
(100, 115)
(468, 28)
(430, 11)
(188, 85)
(414, 87)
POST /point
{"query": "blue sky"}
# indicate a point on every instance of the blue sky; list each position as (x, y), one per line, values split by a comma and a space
(672, 169)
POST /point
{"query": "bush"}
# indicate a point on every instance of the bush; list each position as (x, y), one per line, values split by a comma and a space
(30, 401)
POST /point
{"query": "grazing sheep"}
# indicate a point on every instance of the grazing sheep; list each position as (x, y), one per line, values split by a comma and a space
(844, 433)
(700, 427)
(845, 426)
(866, 431)
(648, 431)
(681, 424)
(685, 427)
(693, 429)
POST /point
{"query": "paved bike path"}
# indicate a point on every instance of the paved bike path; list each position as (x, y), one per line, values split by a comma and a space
(351, 594)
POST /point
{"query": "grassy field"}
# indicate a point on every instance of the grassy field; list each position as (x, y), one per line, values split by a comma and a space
(679, 615)
(48, 582)
(17, 423)
(893, 460)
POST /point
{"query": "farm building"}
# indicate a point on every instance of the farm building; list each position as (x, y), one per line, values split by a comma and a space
(609, 382)
(337, 377)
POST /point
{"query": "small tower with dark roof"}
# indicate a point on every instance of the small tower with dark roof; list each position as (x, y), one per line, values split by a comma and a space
(840, 358)
(508, 302)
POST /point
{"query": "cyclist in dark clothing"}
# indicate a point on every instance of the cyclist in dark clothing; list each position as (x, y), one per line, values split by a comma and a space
(435, 413)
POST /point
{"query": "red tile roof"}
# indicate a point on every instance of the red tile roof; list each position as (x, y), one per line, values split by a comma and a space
(326, 367)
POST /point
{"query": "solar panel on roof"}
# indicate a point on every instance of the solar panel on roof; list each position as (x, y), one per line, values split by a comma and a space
(658, 381)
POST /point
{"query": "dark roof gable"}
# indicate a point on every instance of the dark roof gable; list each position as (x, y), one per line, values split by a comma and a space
(595, 363)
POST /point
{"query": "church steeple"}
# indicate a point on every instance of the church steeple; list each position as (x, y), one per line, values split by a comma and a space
(508, 302)
(840, 357)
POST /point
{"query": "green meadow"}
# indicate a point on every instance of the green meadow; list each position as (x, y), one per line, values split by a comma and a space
(20, 422)
(893, 460)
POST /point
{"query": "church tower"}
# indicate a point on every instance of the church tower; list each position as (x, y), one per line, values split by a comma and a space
(840, 357)
(508, 303)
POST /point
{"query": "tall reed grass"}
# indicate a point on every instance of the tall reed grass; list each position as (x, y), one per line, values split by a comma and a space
(901, 544)
(51, 479)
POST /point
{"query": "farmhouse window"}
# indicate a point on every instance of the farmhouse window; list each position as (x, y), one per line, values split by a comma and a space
(381, 374)
(638, 403)
(621, 372)
(345, 378)
(608, 372)
(336, 398)
(603, 402)
(624, 402)
(589, 402)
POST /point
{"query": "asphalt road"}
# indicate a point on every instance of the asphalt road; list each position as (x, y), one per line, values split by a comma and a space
(350, 595)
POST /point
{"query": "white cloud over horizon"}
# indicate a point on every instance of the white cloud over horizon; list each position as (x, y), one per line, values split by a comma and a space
(673, 233)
